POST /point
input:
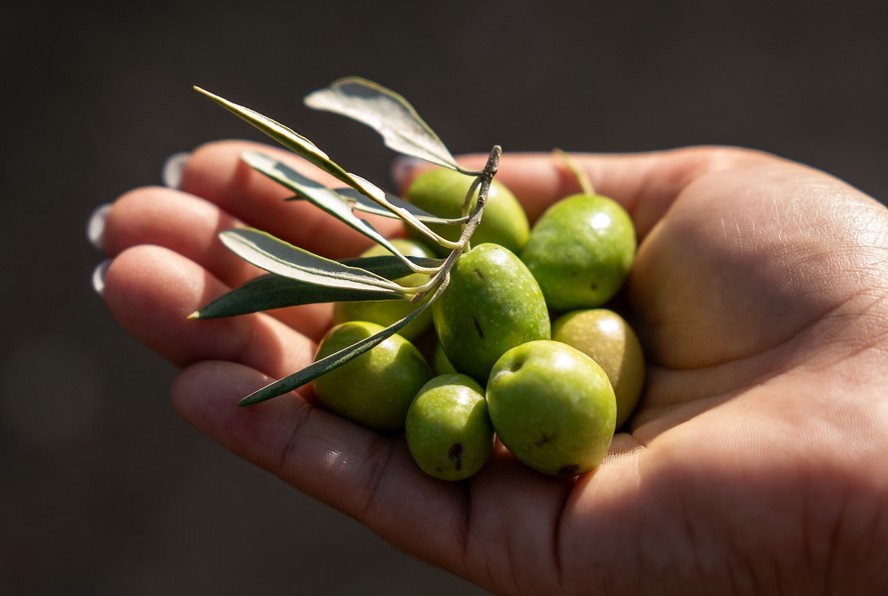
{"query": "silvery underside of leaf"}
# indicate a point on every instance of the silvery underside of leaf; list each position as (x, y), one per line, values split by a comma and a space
(387, 113)
(276, 256)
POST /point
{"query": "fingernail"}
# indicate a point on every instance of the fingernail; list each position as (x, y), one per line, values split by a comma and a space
(173, 168)
(98, 277)
(403, 168)
(95, 227)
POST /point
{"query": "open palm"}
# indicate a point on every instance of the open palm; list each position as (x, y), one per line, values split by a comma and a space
(754, 462)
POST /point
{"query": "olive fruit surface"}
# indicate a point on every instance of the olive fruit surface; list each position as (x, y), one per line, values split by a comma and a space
(374, 389)
(492, 304)
(448, 430)
(607, 338)
(440, 364)
(386, 312)
(442, 192)
(552, 407)
(580, 251)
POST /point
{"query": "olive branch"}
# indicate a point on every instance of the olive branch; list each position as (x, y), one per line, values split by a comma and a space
(296, 276)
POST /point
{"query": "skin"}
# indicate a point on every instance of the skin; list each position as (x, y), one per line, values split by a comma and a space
(754, 463)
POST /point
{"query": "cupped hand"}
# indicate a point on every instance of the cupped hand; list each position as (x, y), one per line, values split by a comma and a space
(755, 460)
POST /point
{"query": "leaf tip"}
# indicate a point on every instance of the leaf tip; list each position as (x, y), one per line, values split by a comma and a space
(250, 400)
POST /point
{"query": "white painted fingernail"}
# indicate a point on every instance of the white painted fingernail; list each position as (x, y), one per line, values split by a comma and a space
(98, 277)
(173, 168)
(402, 170)
(95, 227)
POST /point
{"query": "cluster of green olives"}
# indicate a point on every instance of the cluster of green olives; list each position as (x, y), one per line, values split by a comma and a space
(520, 345)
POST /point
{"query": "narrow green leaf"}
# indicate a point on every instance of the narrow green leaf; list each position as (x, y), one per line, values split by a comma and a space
(276, 256)
(319, 195)
(391, 267)
(283, 135)
(271, 291)
(324, 365)
(309, 151)
(298, 144)
(386, 112)
(367, 205)
(316, 193)
(377, 195)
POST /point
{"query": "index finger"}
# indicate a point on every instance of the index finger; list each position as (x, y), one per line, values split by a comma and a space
(216, 173)
(645, 183)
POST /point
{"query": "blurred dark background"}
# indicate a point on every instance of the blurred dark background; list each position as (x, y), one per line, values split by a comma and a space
(103, 489)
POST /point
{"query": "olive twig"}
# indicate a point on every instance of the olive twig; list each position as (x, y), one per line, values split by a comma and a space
(485, 177)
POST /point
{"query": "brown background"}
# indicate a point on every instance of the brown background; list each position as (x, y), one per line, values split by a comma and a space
(103, 489)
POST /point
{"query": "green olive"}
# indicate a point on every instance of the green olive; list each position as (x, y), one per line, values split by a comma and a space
(448, 430)
(442, 192)
(374, 389)
(580, 251)
(386, 312)
(607, 338)
(492, 304)
(440, 364)
(553, 407)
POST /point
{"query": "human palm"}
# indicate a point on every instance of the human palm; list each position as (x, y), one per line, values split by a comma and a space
(753, 463)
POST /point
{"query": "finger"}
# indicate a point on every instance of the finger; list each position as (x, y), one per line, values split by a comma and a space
(190, 227)
(646, 184)
(466, 527)
(151, 291)
(216, 173)
(358, 471)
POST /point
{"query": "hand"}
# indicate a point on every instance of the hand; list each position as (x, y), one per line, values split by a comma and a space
(754, 463)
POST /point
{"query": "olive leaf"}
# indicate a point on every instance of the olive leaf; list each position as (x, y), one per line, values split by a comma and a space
(359, 202)
(323, 366)
(271, 291)
(282, 134)
(327, 199)
(388, 113)
(336, 359)
(310, 152)
(391, 267)
(276, 256)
